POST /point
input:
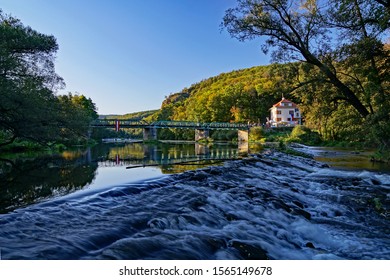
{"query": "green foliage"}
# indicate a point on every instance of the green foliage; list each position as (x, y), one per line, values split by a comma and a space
(256, 134)
(343, 83)
(75, 115)
(282, 145)
(176, 134)
(238, 96)
(29, 109)
(224, 135)
(207, 140)
(378, 129)
(381, 155)
(277, 134)
(305, 135)
(134, 116)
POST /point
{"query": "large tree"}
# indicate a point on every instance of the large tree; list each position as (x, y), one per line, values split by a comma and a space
(310, 31)
(28, 106)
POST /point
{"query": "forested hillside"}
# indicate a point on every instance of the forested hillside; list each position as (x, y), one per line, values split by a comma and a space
(343, 74)
(246, 96)
(238, 96)
(136, 115)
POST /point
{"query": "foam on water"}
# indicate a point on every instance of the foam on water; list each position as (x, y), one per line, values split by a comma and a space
(274, 206)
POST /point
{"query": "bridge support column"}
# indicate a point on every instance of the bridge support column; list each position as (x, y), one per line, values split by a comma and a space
(150, 153)
(243, 142)
(150, 133)
(201, 134)
(243, 135)
(201, 150)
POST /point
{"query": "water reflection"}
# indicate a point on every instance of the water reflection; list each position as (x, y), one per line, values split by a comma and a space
(27, 180)
(348, 159)
(163, 154)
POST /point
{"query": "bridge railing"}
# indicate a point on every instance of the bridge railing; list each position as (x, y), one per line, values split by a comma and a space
(126, 123)
(169, 124)
(198, 125)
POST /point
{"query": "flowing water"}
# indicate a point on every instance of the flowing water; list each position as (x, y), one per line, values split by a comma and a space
(267, 206)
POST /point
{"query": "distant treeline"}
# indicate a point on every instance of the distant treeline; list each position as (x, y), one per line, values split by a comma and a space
(130, 116)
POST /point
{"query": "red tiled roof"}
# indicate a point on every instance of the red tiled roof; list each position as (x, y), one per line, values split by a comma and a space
(285, 101)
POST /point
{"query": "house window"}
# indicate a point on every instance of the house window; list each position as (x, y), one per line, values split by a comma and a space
(279, 112)
(278, 119)
(291, 112)
(289, 119)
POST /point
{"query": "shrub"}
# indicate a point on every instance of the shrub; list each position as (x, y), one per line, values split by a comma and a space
(256, 133)
(304, 135)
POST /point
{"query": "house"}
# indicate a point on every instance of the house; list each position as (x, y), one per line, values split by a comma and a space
(285, 113)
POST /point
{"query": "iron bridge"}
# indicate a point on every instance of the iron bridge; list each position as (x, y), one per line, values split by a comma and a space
(170, 124)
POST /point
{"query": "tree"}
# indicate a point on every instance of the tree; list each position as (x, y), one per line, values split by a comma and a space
(29, 109)
(386, 5)
(27, 80)
(361, 23)
(75, 115)
(295, 30)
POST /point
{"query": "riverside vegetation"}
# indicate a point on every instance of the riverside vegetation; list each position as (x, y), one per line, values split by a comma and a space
(341, 82)
(273, 206)
(32, 116)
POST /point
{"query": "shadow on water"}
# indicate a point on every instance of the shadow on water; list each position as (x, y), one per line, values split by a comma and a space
(27, 180)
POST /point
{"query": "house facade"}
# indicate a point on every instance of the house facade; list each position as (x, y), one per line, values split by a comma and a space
(285, 113)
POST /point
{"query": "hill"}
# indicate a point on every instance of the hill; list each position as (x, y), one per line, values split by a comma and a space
(243, 95)
(239, 96)
(135, 116)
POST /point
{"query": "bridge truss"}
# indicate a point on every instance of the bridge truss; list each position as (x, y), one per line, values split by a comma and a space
(170, 124)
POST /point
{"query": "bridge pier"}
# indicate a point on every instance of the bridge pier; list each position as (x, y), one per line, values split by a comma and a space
(243, 148)
(201, 150)
(150, 133)
(150, 153)
(243, 135)
(201, 134)
(243, 142)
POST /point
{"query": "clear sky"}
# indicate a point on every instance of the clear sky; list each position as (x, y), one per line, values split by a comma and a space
(127, 55)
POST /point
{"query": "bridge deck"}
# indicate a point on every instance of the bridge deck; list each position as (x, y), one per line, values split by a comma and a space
(170, 124)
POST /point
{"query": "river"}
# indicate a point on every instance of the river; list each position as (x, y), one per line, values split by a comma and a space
(131, 202)
(28, 179)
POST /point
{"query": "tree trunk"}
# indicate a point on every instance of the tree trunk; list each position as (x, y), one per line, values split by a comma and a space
(346, 91)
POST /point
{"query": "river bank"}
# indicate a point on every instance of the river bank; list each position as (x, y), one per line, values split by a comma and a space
(344, 158)
(268, 206)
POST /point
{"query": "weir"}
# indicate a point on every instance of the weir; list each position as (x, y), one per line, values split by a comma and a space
(275, 206)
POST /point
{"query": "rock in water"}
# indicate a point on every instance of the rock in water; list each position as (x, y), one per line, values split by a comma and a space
(250, 252)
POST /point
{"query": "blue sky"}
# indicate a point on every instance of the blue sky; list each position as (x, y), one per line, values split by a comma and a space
(127, 55)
